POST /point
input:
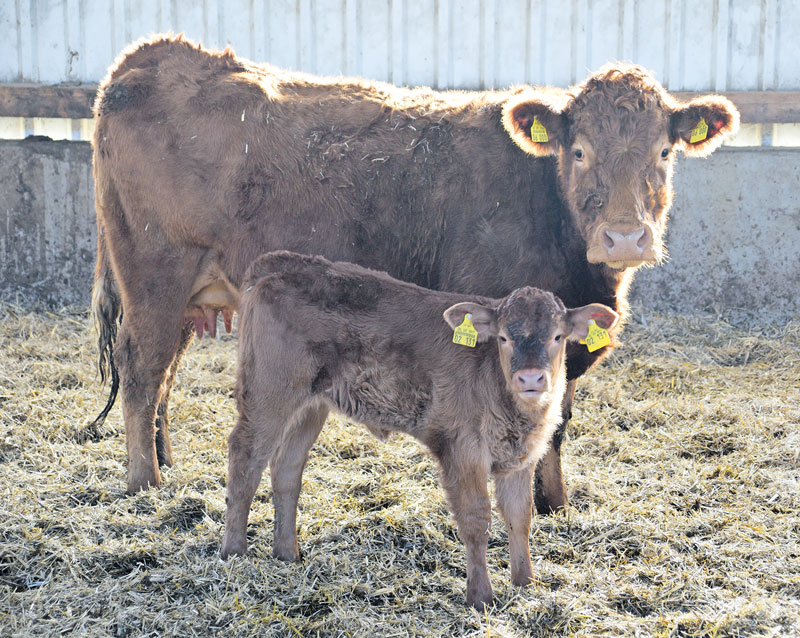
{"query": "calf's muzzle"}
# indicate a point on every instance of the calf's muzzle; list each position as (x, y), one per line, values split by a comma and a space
(531, 380)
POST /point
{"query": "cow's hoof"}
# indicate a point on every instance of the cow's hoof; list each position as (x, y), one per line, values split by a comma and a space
(142, 481)
(231, 548)
(291, 555)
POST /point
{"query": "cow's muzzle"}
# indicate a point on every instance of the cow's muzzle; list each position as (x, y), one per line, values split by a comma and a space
(623, 247)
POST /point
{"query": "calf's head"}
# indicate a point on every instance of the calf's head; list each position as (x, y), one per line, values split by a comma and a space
(615, 138)
(531, 328)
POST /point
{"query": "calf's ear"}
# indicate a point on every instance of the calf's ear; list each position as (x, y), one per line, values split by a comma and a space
(578, 319)
(700, 126)
(535, 121)
(483, 318)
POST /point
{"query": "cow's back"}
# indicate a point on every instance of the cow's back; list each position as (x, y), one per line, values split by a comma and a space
(240, 158)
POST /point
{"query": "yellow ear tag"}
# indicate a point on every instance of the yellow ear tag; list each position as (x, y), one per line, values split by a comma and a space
(597, 337)
(538, 131)
(699, 132)
(465, 334)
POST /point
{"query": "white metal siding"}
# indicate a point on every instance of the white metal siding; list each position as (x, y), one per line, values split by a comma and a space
(691, 44)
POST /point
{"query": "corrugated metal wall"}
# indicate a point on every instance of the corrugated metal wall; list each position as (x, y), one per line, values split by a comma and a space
(691, 44)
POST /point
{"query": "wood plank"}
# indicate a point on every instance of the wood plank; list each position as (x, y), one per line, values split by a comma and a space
(759, 107)
(56, 100)
(59, 100)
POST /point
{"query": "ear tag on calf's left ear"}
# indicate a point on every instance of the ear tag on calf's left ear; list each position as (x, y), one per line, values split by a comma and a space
(465, 334)
(538, 131)
(699, 132)
(597, 337)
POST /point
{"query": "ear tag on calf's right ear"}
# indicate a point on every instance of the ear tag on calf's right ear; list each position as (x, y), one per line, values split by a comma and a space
(699, 132)
(538, 131)
(597, 337)
(465, 334)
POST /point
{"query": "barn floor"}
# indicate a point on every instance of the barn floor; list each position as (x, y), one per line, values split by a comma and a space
(682, 466)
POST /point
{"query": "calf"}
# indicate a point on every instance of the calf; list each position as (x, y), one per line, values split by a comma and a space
(317, 335)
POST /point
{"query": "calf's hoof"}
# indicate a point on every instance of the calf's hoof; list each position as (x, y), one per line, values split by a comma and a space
(523, 578)
(479, 595)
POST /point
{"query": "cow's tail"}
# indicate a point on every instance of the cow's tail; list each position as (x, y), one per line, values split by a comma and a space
(106, 315)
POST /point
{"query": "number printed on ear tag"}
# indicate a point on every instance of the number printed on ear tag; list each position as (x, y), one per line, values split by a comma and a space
(699, 132)
(465, 334)
(597, 337)
(538, 131)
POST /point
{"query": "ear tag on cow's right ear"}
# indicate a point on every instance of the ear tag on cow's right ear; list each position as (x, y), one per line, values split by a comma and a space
(538, 131)
(597, 337)
(465, 334)
(699, 132)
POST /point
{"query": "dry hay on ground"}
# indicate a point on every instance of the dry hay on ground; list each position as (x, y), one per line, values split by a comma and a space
(682, 465)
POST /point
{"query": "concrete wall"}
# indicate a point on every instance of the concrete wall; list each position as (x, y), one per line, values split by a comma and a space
(47, 228)
(734, 235)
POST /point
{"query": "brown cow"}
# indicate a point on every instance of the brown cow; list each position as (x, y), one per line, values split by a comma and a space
(204, 161)
(316, 336)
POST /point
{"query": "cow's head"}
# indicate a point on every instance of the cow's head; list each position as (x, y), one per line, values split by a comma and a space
(615, 138)
(532, 327)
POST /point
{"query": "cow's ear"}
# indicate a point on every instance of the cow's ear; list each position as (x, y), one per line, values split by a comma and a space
(535, 121)
(484, 318)
(578, 319)
(700, 126)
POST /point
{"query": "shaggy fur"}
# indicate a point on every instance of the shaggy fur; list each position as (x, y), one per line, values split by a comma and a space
(316, 336)
(204, 161)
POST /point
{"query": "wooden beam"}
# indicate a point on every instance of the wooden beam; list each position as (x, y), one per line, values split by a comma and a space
(61, 100)
(39, 100)
(759, 107)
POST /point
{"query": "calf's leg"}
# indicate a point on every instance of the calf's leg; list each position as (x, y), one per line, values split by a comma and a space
(465, 486)
(286, 474)
(550, 491)
(281, 440)
(514, 500)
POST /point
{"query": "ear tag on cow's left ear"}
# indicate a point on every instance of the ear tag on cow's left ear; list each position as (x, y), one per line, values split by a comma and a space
(597, 337)
(538, 131)
(699, 132)
(465, 334)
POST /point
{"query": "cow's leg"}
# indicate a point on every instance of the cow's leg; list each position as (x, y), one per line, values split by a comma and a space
(163, 445)
(467, 494)
(144, 355)
(514, 500)
(286, 473)
(550, 491)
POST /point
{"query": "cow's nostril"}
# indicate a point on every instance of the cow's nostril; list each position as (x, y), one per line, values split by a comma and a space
(644, 239)
(608, 240)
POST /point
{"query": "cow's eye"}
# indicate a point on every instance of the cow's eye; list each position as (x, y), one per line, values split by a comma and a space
(665, 153)
(503, 339)
(558, 337)
(578, 154)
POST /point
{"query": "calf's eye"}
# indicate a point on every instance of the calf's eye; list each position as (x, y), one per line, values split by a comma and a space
(558, 338)
(503, 339)
(578, 154)
(665, 153)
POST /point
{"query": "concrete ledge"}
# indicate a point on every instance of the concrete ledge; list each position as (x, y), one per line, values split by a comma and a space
(733, 238)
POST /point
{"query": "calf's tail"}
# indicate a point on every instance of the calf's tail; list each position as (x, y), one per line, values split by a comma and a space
(106, 315)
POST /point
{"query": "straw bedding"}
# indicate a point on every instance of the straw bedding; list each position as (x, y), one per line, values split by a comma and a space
(681, 463)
